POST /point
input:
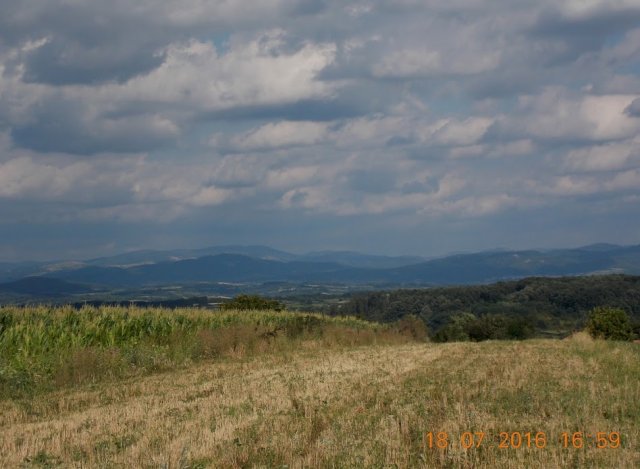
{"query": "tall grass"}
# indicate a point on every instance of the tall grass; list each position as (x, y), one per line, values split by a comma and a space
(45, 347)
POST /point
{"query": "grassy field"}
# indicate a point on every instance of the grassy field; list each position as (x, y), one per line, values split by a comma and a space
(320, 400)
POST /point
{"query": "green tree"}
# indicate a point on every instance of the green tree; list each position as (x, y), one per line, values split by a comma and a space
(252, 302)
(609, 323)
(457, 330)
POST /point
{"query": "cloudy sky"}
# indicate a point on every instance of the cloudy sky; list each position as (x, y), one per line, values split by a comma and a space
(396, 127)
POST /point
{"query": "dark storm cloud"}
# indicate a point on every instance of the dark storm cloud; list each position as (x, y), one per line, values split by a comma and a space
(59, 125)
(62, 62)
(88, 43)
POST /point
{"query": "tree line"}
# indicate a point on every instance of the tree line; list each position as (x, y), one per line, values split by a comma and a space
(537, 306)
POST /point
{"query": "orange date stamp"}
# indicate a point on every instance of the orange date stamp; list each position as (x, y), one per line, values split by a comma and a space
(516, 440)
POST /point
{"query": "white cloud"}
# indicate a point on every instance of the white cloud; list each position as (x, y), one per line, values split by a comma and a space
(328, 197)
(468, 151)
(371, 131)
(478, 206)
(581, 9)
(281, 134)
(424, 62)
(291, 177)
(105, 180)
(568, 186)
(515, 148)
(111, 185)
(193, 12)
(152, 108)
(626, 180)
(583, 185)
(557, 114)
(322, 107)
(23, 177)
(607, 157)
(607, 116)
(257, 73)
(208, 196)
(458, 132)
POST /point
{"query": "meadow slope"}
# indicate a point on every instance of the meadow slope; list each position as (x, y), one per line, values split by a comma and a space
(368, 406)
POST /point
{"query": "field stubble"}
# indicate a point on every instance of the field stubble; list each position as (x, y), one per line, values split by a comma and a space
(370, 406)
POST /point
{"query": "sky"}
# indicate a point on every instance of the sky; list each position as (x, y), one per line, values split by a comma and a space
(393, 127)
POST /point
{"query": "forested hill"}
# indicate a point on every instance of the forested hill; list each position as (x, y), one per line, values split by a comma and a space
(549, 306)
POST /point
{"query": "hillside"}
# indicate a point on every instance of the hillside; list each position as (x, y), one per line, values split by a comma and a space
(42, 286)
(549, 305)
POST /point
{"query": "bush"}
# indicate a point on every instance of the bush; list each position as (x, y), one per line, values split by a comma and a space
(609, 323)
(466, 326)
(413, 327)
(252, 302)
(456, 330)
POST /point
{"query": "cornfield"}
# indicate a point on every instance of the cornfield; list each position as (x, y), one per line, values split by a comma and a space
(44, 347)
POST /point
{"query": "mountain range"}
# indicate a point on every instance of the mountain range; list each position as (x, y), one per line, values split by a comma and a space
(260, 264)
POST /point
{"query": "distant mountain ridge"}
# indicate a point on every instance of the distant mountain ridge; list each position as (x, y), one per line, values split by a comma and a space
(42, 286)
(16, 270)
(153, 256)
(451, 270)
(357, 259)
(260, 264)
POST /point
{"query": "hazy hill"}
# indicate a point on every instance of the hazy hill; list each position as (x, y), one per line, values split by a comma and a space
(42, 286)
(155, 256)
(261, 265)
(345, 258)
(220, 268)
(458, 269)
(357, 259)
(487, 267)
(232, 268)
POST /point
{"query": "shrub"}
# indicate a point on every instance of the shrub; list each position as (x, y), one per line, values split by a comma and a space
(519, 329)
(414, 327)
(609, 323)
(466, 326)
(489, 327)
(457, 328)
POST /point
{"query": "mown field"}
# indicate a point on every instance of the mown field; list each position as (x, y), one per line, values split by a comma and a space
(316, 393)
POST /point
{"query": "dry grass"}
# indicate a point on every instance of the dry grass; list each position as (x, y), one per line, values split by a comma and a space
(329, 407)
